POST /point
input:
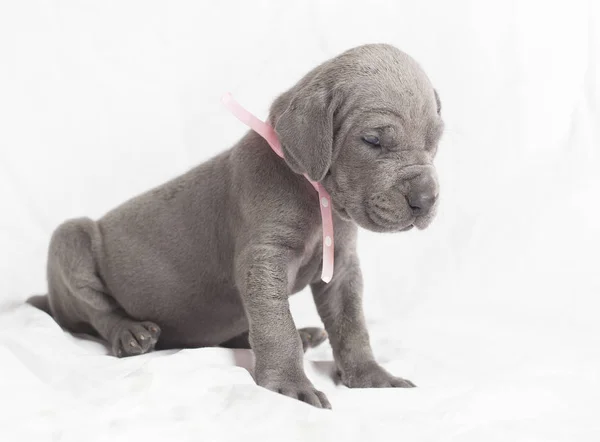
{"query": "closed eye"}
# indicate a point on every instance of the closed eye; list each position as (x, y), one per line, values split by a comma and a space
(372, 140)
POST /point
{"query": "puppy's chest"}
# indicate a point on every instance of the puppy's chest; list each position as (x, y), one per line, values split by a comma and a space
(306, 268)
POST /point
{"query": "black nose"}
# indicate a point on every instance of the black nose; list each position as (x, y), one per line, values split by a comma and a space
(421, 202)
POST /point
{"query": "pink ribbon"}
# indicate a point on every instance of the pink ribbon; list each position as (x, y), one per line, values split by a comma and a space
(268, 133)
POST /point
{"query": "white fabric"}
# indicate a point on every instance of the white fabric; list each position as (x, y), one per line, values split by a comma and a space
(492, 312)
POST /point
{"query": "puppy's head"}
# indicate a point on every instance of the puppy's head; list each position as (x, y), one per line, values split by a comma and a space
(366, 124)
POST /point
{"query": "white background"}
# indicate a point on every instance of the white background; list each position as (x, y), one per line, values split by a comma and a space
(492, 311)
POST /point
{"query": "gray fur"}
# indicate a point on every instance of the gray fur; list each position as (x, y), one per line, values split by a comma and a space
(211, 257)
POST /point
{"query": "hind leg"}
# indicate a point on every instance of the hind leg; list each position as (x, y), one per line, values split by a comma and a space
(79, 299)
(310, 336)
(126, 336)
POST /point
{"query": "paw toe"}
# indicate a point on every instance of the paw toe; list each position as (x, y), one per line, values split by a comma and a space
(323, 399)
(310, 398)
(153, 330)
(402, 383)
(312, 337)
(304, 393)
(374, 376)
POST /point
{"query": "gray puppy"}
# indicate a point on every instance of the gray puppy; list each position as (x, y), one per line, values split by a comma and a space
(211, 257)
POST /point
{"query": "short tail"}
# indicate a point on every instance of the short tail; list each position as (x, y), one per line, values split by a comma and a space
(41, 302)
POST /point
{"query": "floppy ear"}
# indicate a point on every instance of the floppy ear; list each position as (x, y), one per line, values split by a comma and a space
(305, 131)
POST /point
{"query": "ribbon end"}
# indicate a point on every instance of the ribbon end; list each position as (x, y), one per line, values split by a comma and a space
(326, 278)
(227, 98)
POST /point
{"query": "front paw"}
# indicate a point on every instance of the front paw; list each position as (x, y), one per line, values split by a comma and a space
(301, 389)
(372, 375)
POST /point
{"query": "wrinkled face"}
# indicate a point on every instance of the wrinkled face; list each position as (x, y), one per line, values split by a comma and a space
(366, 124)
(382, 174)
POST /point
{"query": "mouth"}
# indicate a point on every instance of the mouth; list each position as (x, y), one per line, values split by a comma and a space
(381, 223)
(385, 224)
